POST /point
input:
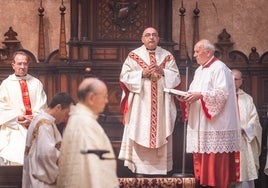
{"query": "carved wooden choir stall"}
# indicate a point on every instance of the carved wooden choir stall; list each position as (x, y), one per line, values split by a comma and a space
(102, 33)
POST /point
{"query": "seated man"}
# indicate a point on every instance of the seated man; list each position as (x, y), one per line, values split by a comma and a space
(21, 97)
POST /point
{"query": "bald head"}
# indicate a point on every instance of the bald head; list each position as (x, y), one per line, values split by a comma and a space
(93, 93)
(89, 85)
(237, 73)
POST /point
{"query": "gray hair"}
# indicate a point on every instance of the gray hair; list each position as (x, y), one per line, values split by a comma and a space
(19, 53)
(207, 45)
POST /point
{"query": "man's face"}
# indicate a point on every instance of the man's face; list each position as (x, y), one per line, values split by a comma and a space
(150, 38)
(63, 115)
(237, 79)
(202, 55)
(100, 100)
(20, 65)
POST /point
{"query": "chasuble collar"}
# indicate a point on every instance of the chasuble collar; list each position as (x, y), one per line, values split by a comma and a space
(209, 62)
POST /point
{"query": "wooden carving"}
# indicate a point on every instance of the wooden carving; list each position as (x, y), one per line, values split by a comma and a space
(122, 10)
(11, 43)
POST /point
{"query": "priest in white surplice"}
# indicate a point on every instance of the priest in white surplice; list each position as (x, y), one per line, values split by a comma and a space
(40, 168)
(213, 131)
(251, 136)
(149, 113)
(21, 97)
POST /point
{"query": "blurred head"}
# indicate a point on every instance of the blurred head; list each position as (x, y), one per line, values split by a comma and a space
(93, 93)
(203, 51)
(150, 38)
(59, 107)
(237, 78)
(20, 63)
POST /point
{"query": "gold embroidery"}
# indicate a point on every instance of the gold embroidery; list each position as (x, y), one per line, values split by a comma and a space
(35, 133)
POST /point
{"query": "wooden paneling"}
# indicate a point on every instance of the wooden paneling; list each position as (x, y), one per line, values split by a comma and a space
(10, 176)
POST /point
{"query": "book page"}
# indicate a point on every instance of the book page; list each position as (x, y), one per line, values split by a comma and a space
(175, 91)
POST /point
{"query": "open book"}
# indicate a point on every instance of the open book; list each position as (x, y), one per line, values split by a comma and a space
(175, 91)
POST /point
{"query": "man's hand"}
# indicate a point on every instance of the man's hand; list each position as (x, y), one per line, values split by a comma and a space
(146, 73)
(153, 72)
(180, 98)
(192, 97)
(25, 120)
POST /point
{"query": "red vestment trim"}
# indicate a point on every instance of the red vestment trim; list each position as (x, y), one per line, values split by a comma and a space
(25, 97)
(183, 111)
(205, 109)
(237, 154)
(214, 169)
(210, 62)
(153, 128)
(124, 102)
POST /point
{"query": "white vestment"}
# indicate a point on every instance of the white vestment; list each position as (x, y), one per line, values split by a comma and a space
(220, 132)
(83, 132)
(251, 138)
(12, 134)
(40, 168)
(136, 148)
(213, 130)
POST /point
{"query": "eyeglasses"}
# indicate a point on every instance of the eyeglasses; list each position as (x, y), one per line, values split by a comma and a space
(236, 79)
(147, 35)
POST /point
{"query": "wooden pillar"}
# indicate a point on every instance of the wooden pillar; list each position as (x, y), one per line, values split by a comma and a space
(182, 45)
(196, 28)
(84, 19)
(62, 46)
(41, 37)
(74, 20)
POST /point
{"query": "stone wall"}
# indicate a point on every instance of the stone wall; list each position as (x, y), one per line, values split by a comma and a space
(245, 20)
(23, 17)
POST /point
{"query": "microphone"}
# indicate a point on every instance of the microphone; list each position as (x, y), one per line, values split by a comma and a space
(98, 152)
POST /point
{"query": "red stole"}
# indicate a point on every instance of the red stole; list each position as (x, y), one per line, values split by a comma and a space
(25, 97)
(153, 128)
(237, 154)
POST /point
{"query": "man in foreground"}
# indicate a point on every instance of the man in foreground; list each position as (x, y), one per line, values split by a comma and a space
(83, 132)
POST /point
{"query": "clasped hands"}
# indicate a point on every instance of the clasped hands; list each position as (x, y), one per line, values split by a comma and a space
(152, 71)
(25, 120)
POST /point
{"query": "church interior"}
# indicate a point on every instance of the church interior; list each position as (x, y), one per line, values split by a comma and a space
(68, 40)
